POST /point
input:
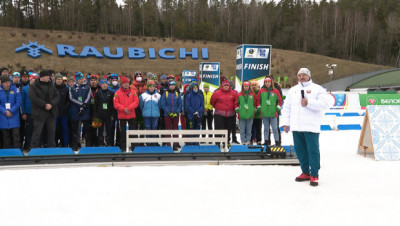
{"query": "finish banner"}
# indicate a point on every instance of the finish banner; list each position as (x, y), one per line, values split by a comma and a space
(209, 74)
(252, 62)
(379, 99)
(188, 75)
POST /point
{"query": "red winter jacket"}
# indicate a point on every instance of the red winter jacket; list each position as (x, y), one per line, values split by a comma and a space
(224, 102)
(126, 99)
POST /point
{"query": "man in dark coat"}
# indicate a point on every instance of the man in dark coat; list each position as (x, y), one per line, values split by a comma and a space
(44, 97)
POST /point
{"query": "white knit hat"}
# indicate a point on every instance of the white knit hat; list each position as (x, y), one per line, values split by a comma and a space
(304, 70)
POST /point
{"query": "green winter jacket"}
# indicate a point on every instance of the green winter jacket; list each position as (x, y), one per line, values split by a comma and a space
(245, 105)
(257, 115)
(269, 101)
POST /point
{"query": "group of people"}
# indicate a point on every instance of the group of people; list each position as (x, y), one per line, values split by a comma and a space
(50, 110)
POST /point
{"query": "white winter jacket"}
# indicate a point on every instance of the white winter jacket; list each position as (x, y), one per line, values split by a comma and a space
(308, 118)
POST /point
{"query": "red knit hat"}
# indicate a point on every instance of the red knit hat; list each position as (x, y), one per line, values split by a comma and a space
(226, 82)
(124, 80)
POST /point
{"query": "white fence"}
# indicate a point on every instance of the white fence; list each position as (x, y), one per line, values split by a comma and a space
(188, 136)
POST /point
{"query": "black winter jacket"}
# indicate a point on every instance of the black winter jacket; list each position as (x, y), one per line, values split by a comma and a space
(103, 97)
(63, 105)
(40, 94)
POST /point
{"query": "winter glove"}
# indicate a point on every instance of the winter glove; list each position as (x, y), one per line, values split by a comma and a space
(196, 115)
(80, 112)
(84, 105)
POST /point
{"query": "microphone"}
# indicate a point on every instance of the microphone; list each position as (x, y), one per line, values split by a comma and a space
(302, 94)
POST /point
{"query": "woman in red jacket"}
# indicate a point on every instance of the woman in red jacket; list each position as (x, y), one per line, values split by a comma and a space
(223, 101)
(125, 102)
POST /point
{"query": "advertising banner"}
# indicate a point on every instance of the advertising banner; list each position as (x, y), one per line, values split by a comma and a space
(187, 76)
(209, 74)
(379, 99)
(252, 62)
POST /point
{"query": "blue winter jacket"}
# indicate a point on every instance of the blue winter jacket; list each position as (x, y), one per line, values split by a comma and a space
(150, 104)
(172, 104)
(26, 104)
(14, 98)
(194, 102)
(79, 95)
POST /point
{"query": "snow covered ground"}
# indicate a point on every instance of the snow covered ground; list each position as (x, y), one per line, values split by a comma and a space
(353, 190)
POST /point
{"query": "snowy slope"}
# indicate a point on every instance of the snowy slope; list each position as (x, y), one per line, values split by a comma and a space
(353, 191)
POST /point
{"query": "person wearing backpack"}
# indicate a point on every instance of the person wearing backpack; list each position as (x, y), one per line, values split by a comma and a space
(245, 107)
(171, 103)
(195, 107)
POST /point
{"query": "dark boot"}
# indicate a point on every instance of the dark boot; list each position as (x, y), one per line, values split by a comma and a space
(277, 143)
(267, 143)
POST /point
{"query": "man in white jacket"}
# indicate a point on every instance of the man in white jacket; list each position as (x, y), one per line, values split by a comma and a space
(302, 113)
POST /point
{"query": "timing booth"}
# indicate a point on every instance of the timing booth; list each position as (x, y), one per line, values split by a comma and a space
(252, 62)
(209, 74)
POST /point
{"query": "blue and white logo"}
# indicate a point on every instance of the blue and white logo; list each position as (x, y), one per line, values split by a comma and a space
(34, 49)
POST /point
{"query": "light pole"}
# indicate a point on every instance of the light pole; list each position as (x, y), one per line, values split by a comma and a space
(330, 72)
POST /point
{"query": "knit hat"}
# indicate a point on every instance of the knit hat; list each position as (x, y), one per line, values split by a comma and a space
(151, 83)
(163, 76)
(193, 84)
(58, 76)
(24, 72)
(206, 85)
(124, 80)
(103, 81)
(246, 83)
(16, 74)
(149, 75)
(253, 82)
(93, 77)
(5, 78)
(304, 71)
(71, 79)
(3, 69)
(44, 73)
(170, 77)
(33, 76)
(226, 82)
(78, 75)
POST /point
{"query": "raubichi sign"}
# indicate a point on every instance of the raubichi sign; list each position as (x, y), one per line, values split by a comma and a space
(34, 50)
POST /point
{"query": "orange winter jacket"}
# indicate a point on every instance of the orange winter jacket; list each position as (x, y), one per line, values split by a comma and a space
(126, 99)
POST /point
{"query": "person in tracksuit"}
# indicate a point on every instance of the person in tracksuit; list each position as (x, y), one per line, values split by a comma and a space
(302, 114)
(10, 102)
(208, 116)
(194, 107)
(150, 106)
(79, 95)
(171, 103)
(26, 109)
